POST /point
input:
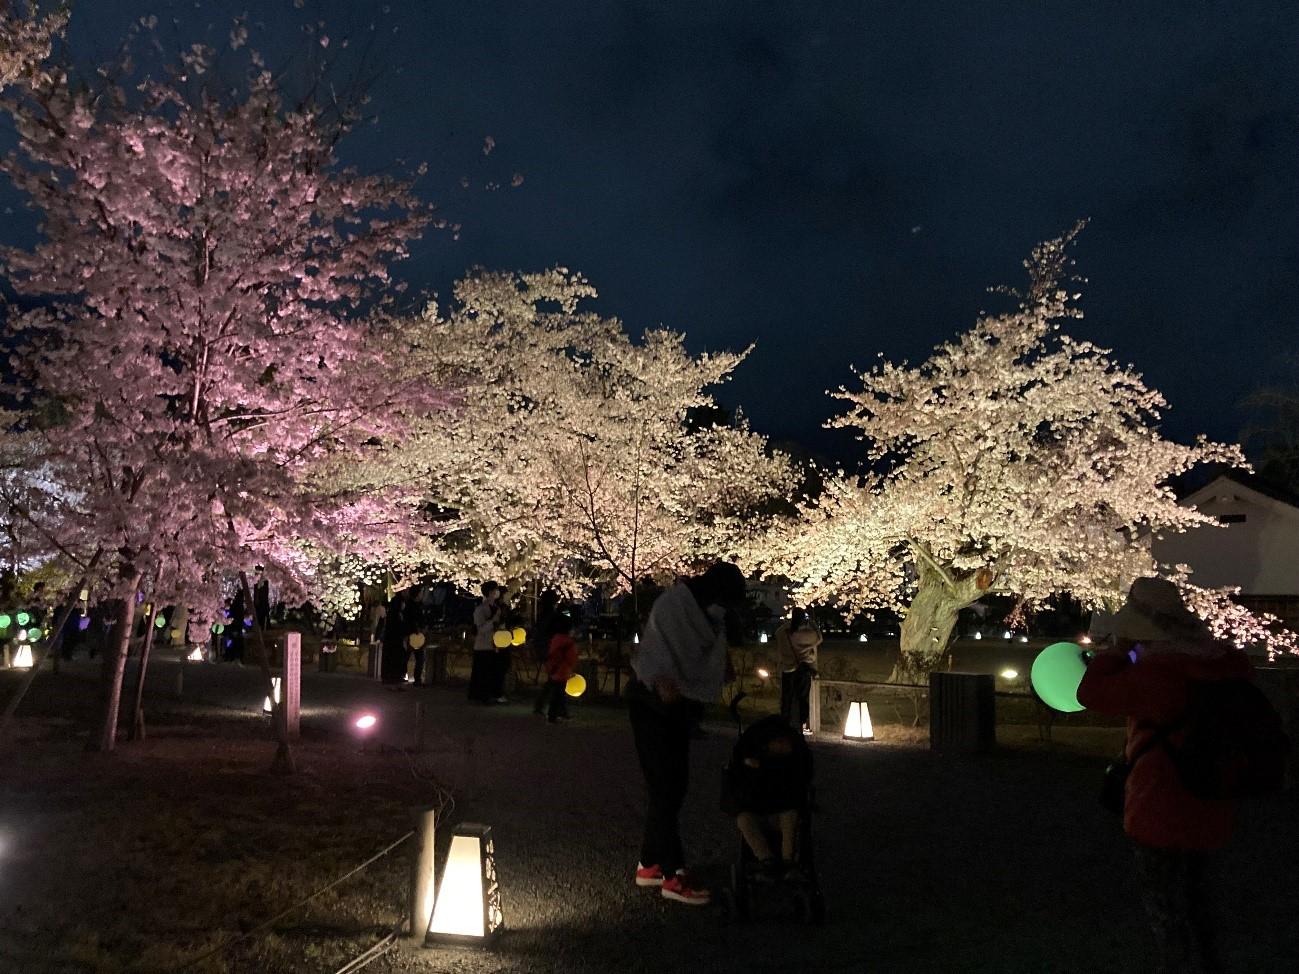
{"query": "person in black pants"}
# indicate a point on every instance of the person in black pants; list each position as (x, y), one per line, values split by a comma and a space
(393, 648)
(680, 666)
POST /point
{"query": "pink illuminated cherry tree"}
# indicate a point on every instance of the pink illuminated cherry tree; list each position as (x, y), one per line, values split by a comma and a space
(205, 272)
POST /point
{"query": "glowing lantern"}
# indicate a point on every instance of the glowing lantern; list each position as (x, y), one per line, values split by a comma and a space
(22, 635)
(518, 637)
(1009, 674)
(1023, 639)
(762, 637)
(160, 621)
(275, 689)
(978, 635)
(858, 726)
(365, 722)
(1008, 634)
(1057, 671)
(1086, 640)
(416, 640)
(635, 638)
(502, 638)
(576, 685)
(764, 673)
(863, 638)
(195, 655)
(23, 618)
(218, 628)
(468, 904)
(34, 635)
(83, 623)
(85, 595)
(23, 657)
(5, 620)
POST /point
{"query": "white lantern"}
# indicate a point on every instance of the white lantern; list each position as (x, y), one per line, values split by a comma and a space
(762, 637)
(23, 657)
(195, 655)
(275, 689)
(468, 904)
(858, 725)
(863, 638)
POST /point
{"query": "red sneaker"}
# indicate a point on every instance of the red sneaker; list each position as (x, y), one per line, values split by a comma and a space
(681, 889)
(648, 875)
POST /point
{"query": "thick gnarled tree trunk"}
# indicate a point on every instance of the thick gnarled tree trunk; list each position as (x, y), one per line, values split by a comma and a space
(931, 617)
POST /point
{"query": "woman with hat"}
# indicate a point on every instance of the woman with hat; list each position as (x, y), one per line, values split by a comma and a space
(1160, 652)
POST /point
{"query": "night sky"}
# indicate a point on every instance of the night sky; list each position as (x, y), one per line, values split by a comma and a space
(834, 180)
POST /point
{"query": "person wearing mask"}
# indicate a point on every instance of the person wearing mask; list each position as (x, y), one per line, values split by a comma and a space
(483, 673)
(680, 666)
(797, 641)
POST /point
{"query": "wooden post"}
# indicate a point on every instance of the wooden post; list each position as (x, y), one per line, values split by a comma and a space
(814, 706)
(291, 689)
(423, 885)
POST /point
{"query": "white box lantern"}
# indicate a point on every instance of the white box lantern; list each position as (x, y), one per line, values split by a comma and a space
(275, 689)
(858, 725)
(467, 908)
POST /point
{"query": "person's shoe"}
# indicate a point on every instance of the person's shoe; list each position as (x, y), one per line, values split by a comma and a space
(648, 875)
(501, 700)
(681, 889)
(807, 731)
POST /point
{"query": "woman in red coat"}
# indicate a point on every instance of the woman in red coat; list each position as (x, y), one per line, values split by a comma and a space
(561, 663)
(1160, 651)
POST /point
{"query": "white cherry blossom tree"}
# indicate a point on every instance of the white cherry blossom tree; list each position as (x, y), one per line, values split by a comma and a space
(1016, 460)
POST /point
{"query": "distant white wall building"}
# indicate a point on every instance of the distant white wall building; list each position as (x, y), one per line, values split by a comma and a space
(1255, 546)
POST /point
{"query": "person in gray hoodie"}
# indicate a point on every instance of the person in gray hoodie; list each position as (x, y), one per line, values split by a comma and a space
(680, 666)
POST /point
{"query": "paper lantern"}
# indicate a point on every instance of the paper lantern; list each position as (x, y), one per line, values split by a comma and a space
(416, 640)
(34, 635)
(218, 629)
(858, 726)
(467, 908)
(1057, 671)
(23, 618)
(275, 689)
(863, 638)
(576, 685)
(5, 620)
(502, 638)
(762, 637)
(518, 637)
(85, 595)
(23, 657)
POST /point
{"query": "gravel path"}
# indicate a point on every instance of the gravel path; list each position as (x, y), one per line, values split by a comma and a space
(1003, 863)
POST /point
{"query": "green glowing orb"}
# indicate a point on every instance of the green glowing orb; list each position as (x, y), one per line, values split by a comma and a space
(160, 622)
(1057, 671)
(5, 621)
(23, 618)
(218, 629)
(34, 635)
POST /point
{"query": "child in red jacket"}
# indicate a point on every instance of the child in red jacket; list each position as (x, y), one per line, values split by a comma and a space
(561, 661)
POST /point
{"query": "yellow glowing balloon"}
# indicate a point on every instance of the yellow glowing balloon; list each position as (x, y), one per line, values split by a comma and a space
(175, 635)
(416, 640)
(518, 637)
(576, 685)
(502, 638)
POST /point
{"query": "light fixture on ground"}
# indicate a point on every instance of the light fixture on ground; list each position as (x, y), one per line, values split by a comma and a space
(858, 726)
(23, 657)
(195, 655)
(275, 689)
(978, 635)
(762, 637)
(365, 723)
(1009, 674)
(863, 638)
(467, 908)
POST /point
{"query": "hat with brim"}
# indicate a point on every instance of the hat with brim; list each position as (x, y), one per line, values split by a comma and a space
(1155, 611)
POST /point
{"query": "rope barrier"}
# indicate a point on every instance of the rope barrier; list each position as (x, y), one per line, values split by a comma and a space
(296, 906)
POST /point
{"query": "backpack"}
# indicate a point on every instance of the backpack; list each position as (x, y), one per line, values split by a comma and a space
(1235, 744)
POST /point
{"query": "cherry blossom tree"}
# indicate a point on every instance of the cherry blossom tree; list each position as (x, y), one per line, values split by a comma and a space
(204, 272)
(26, 39)
(1016, 460)
(571, 458)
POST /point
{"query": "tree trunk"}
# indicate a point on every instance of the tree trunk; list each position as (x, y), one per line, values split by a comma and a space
(931, 619)
(283, 763)
(115, 670)
(137, 709)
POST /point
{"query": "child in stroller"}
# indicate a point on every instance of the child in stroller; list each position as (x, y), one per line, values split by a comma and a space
(767, 788)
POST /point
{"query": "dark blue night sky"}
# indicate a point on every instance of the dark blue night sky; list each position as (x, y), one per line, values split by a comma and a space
(832, 180)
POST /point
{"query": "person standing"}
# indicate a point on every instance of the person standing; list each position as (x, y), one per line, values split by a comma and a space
(1161, 653)
(392, 642)
(679, 667)
(483, 673)
(797, 641)
(561, 662)
(262, 599)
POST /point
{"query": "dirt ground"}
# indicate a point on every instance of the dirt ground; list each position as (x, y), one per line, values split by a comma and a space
(149, 857)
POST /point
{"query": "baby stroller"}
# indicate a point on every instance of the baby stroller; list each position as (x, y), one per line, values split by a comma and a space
(770, 772)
